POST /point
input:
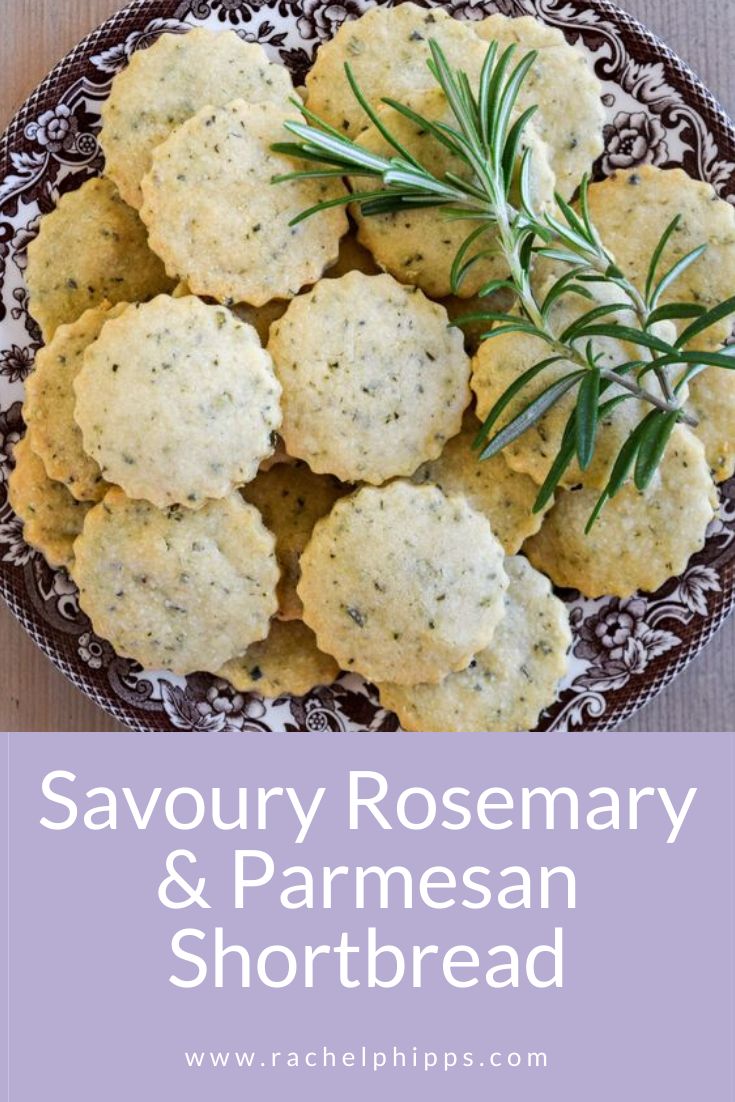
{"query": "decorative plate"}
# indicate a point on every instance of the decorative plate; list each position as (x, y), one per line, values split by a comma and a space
(624, 651)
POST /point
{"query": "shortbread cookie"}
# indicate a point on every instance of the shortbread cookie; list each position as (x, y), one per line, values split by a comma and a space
(374, 381)
(219, 221)
(287, 662)
(49, 405)
(92, 248)
(387, 50)
(712, 400)
(177, 401)
(491, 487)
(52, 518)
(507, 685)
(176, 589)
(632, 209)
(166, 84)
(419, 245)
(640, 539)
(499, 362)
(563, 87)
(291, 499)
(403, 582)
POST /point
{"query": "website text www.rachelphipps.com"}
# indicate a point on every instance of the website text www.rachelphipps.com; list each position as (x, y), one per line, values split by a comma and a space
(365, 1059)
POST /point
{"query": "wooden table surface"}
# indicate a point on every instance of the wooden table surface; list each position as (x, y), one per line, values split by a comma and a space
(33, 696)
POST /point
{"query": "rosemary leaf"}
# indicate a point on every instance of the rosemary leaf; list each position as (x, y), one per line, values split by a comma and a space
(459, 267)
(658, 253)
(674, 311)
(621, 467)
(558, 468)
(586, 414)
(507, 397)
(652, 447)
(711, 317)
(578, 327)
(532, 413)
(674, 273)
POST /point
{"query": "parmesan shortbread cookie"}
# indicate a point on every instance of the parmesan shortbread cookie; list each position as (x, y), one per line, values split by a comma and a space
(403, 582)
(166, 84)
(219, 221)
(562, 85)
(640, 539)
(52, 518)
(501, 361)
(176, 589)
(632, 209)
(177, 401)
(49, 405)
(387, 50)
(502, 495)
(712, 400)
(291, 499)
(288, 661)
(374, 382)
(92, 248)
(419, 245)
(507, 685)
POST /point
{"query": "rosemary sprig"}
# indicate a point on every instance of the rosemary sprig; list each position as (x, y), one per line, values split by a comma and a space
(494, 194)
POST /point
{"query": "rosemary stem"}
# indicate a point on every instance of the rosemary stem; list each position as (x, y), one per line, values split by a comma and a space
(506, 216)
(647, 395)
(640, 307)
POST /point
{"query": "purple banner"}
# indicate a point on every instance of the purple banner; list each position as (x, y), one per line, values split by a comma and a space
(231, 917)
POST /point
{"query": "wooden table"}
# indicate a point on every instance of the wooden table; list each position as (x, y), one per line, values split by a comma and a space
(33, 696)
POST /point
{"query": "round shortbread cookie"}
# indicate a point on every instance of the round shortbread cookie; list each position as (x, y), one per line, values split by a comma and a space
(491, 487)
(49, 405)
(176, 589)
(374, 381)
(632, 209)
(177, 401)
(563, 86)
(402, 582)
(219, 221)
(91, 249)
(291, 499)
(166, 84)
(499, 362)
(507, 685)
(640, 539)
(287, 662)
(52, 518)
(712, 400)
(387, 50)
(419, 245)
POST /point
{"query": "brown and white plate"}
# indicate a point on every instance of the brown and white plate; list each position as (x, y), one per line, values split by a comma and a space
(624, 652)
